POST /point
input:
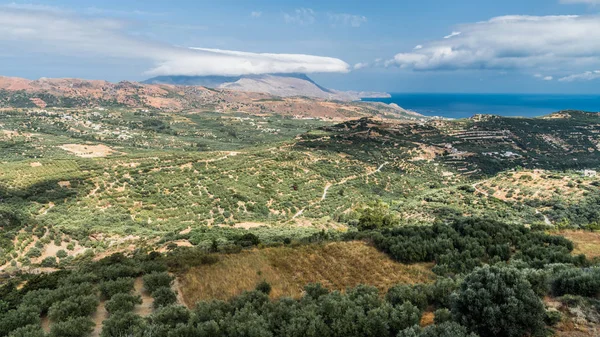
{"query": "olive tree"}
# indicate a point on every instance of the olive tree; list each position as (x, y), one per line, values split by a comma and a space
(498, 302)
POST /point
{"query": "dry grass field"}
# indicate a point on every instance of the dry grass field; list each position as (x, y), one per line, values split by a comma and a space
(337, 266)
(587, 243)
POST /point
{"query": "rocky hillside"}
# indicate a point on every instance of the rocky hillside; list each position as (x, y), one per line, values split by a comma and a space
(73, 93)
(283, 85)
(481, 145)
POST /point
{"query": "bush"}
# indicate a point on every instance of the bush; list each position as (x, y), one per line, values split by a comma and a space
(163, 297)
(16, 318)
(575, 281)
(264, 287)
(118, 270)
(156, 280)
(406, 315)
(49, 262)
(248, 240)
(121, 285)
(375, 215)
(167, 318)
(417, 294)
(124, 324)
(72, 308)
(28, 331)
(122, 303)
(442, 316)
(76, 327)
(499, 302)
(34, 252)
(61, 254)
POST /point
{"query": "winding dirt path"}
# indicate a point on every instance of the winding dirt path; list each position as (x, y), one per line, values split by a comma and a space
(341, 182)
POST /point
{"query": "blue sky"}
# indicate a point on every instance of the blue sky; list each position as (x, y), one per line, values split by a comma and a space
(394, 46)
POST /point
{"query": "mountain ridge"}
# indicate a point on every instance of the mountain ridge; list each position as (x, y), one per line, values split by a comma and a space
(78, 93)
(284, 85)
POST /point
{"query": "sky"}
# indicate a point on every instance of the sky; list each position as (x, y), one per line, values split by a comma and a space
(476, 46)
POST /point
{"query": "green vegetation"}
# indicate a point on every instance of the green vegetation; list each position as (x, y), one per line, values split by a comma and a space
(499, 302)
(472, 203)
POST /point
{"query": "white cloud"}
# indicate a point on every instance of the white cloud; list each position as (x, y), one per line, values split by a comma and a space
(256, 14)
(453, 34)
(586, 76)
(343, 19)
(360, 65)
(301, 16)
(63, 33)
(204, 61)
(542, 77)
(545, 43)
(417, 47)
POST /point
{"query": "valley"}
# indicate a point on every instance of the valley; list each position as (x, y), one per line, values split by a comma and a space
(223, 192)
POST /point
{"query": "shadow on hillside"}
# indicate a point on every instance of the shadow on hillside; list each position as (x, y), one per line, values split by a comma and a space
(15, 203)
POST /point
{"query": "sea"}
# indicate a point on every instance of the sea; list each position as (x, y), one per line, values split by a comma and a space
(467, 105)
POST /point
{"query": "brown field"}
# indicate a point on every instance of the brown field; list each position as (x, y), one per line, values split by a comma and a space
(88, 151)
(587, 243)
(337, 266)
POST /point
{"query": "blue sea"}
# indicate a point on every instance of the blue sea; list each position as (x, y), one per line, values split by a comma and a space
(467, 105)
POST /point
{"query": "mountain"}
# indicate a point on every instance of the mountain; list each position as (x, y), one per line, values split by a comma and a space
(283, 85)
(79, 93)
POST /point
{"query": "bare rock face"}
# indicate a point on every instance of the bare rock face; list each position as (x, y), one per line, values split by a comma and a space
(282, 85)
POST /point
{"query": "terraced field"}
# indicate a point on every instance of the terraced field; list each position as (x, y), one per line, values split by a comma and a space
(103, 178)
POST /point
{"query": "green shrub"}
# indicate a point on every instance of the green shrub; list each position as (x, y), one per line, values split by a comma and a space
(499, 302)
(122, 303)
(118, 270)
(34, 252)
(264, 287)
(61, 254)
(124, 324)
(375, 215)
(418, 295)
(112, 287)
(575, 281)
(75, 327)
(170, 316)
(73, 307)
(163, 297)
(442, 316)
(49, 262)
(156, 280)
(28, 331)
(16, 318)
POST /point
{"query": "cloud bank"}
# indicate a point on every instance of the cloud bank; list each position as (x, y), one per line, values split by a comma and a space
(543, 43)
(65, 33)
